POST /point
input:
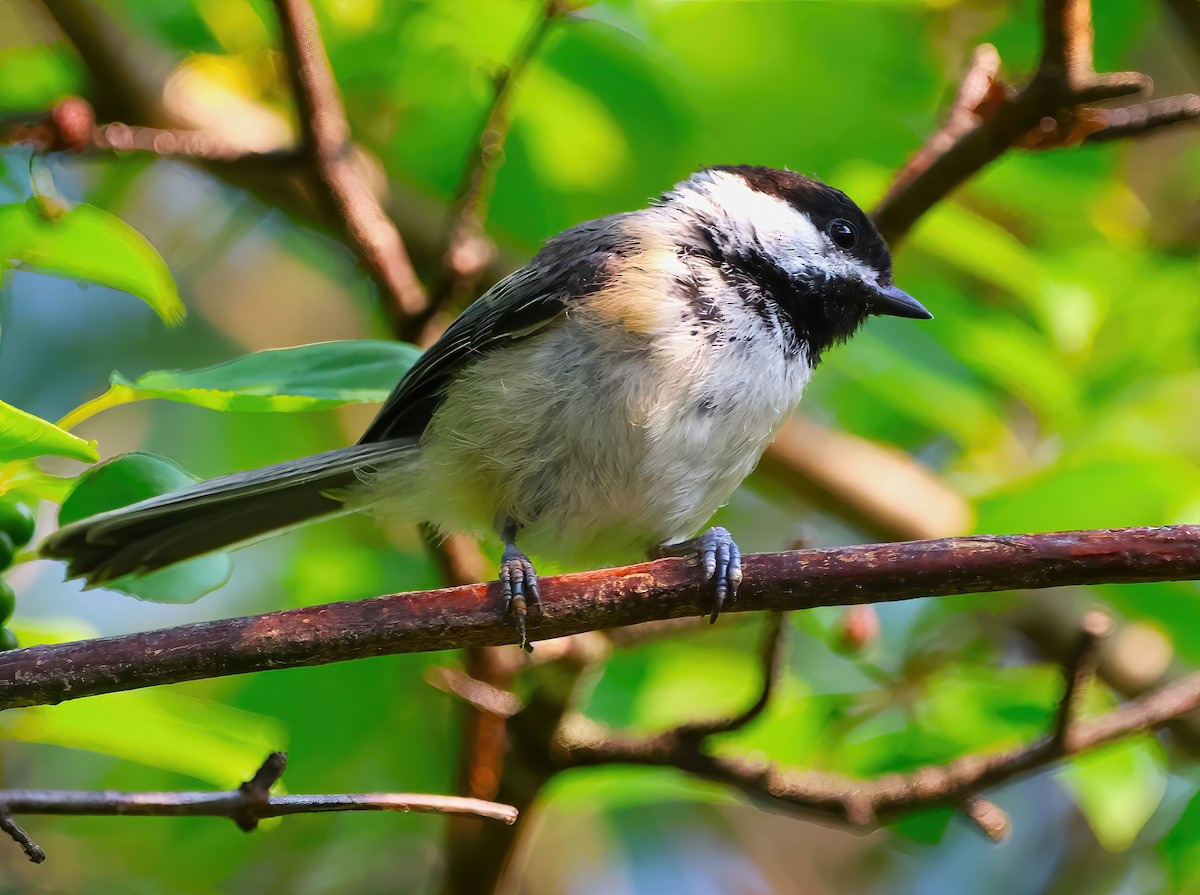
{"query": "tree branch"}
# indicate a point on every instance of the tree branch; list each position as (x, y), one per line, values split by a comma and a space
(468, 251)
(988, 118)
(326, 139)
(246, 806)
(771, 656)
(1079, 673)
(17, 833)
(864, 804)
(474, 615)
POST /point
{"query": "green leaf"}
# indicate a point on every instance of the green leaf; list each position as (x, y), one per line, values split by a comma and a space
(24, 436)
(34, 77)
(308, 377)
(211, 742)
(218, 744)
(86, 243)
(125, 480)
(1093, 489)
(22, 480)
(1118, 788)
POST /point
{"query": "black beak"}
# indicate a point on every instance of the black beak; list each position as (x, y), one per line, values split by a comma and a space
(895, 302)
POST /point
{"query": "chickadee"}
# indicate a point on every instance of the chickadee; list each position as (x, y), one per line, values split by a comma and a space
(605, 399)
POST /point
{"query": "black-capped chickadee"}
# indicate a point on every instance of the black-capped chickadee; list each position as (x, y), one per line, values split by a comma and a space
(602, 401)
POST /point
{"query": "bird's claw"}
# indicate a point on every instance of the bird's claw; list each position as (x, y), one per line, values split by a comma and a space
(519, 587)
(722, 562)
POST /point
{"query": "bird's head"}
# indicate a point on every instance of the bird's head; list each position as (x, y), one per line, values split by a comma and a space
(807, 247)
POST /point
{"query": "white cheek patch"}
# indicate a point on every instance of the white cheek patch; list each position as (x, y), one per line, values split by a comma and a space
(767, 223)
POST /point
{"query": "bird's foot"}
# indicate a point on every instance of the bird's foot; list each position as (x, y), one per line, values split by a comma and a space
(519, 586)
(722, 562)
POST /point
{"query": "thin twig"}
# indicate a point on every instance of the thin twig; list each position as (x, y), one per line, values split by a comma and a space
(771, 657)
(1079, 672)
(864, 804)
(251, 798)
(256, 791)
(225, 804)
(245, 806)
(204, 145)
(474, 615)
(480, 695)
(1143, 118)
(1050, 111)
(989, 817)
(468, 251)
(9, 825)
(326, 137)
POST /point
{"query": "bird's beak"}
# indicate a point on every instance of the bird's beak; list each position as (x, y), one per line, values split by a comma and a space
(895, 302)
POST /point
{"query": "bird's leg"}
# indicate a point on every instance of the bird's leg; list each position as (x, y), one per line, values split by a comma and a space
(721, 560)
(518, 581)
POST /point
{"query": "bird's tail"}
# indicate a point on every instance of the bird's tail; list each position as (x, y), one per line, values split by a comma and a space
(219, 513)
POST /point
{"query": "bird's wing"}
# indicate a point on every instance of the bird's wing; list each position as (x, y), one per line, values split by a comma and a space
(573, 264)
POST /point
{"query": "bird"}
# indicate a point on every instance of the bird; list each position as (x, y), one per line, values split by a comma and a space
(603, 400)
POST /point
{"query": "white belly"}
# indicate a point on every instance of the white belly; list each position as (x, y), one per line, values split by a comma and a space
(614, 446)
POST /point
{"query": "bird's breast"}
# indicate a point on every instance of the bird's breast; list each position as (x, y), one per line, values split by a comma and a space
(602, 442)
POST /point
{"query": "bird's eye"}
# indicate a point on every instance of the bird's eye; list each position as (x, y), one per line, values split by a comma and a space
(843, 233)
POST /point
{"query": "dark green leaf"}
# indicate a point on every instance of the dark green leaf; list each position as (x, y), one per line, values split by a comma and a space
(125, 480)
(308, 377)
(1181, 849)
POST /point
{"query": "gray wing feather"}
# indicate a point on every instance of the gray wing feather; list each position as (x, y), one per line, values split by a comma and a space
(570, 266)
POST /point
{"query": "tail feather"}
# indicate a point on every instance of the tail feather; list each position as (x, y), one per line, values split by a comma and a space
(223, 512)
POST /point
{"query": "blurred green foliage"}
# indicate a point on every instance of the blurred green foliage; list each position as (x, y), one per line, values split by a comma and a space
(1057, 387)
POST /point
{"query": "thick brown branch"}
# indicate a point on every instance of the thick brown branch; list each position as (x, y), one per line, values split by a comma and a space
(988, 119)
(327, 138)
(474, 615)
(863, 804)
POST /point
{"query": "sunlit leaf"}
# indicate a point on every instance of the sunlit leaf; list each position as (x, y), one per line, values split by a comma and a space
(34, 77)
(1118, 788)
(559, 117)
(677, 680)
(23, 479)
(217, 744)
(308, 377)
(988, 708)
(24, 436)
(86, 243)
(1086, 491)
(621, 787)
(125, 480)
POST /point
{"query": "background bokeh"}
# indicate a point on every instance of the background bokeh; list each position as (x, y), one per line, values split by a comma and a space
(1058, 387)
